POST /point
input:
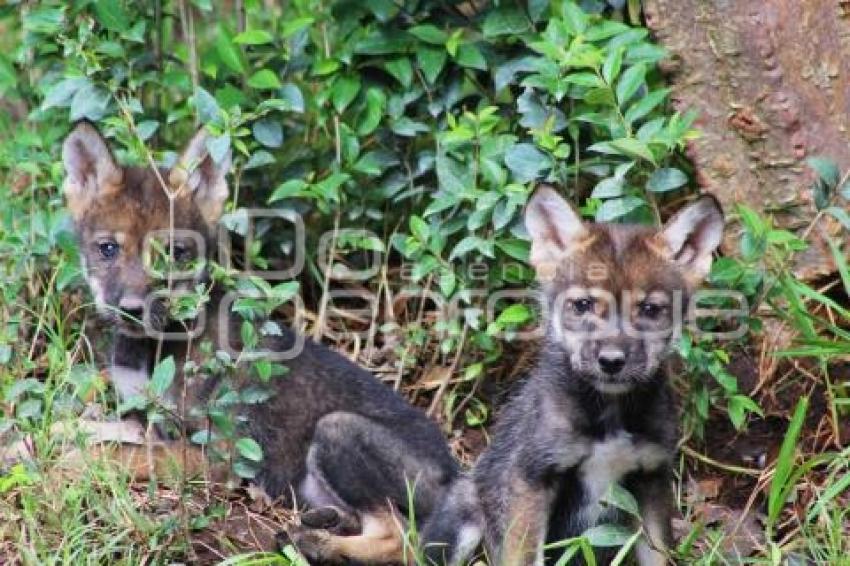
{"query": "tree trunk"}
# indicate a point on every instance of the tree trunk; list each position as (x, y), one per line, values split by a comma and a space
(771, 80)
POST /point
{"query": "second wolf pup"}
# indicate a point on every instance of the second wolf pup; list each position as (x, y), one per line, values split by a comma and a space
(597, 408)
(331, 434)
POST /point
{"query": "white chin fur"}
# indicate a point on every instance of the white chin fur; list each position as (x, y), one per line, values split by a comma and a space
(612, 388)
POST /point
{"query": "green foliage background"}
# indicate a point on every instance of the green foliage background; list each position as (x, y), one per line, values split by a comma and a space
(426, 123)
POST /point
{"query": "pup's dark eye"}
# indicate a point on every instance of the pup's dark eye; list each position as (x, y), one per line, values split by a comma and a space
(649, 310)
(583, 306)
(108, 250)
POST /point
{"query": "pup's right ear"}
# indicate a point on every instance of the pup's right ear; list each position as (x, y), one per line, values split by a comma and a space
(554, 228)
(90, 168)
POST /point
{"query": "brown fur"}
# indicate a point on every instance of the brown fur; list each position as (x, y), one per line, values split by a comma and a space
(596, 409)
(333, 437)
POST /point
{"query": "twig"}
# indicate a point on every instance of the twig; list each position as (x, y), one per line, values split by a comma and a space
(721, 465)
(187, 26)
(323, 303)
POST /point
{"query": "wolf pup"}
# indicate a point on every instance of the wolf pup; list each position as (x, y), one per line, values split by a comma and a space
(332, 435)
(596, 409)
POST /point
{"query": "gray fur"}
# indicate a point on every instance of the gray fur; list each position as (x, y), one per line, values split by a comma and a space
(577, 425)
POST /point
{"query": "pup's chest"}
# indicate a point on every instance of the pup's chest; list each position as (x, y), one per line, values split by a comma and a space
(615, 456)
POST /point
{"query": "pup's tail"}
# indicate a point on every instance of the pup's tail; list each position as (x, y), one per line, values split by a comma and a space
(455, 528)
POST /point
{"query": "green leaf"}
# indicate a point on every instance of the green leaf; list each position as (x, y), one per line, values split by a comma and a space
(227, 50)
(526, 161)
(429, 34)
(585, 79)
(268, 132)
(629, 83)
(419, 228)
(344, 91)
(608, 188)
(89, 102)
(291, 94)
(218, 147)
(646, 105)
(841, 262)
(374, 163)
(625, 146)
(206, 106)
(112, 15)
(448, 282)
(162, 377)
(245, 469)
(406, 127)
(62, 92)
(844, 190)
(738, 408)
(43, 20)
(514, 314)
(293, 26)
(470, 243)
(779, 488)
(146, 129)
(249, 449)
(617, 208)
(401, 70)
(376, 101)
(666, 179)
(505, 20)
(607, 535)
(515, 248)
(264, 79)
(839, 214)
(574, 18)
(431, 62)
(826, 169)
(468, 55)
(253, 37)
(288, 189)
(259, 158)
(604, 30)
(613, 64)
(621, 498)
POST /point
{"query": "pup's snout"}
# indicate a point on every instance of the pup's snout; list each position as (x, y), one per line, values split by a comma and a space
(611, 361)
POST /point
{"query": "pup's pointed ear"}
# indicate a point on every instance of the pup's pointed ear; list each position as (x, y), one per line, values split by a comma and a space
(202, 176)
(553, 226)
(692, 235)
(90, 168)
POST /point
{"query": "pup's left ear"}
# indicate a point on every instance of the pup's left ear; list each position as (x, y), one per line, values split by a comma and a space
(692, 235)
(90, 169)
(202, 176)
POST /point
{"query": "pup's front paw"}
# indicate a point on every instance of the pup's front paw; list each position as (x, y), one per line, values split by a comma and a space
(314, 544)
(332, 519)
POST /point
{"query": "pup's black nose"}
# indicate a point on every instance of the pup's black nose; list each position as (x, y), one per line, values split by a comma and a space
(611, 362)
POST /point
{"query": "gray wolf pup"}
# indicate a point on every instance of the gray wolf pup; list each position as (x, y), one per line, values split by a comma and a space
(596, 409)
(332, 435)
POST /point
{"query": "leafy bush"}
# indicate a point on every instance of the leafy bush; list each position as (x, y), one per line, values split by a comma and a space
(425, 123)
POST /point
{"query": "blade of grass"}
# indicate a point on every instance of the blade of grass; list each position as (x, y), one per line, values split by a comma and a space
(779, 485)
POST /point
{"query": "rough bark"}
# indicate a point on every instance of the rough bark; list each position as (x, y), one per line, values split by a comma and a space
(771, 80)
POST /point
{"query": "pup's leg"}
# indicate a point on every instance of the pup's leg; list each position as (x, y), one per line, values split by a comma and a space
(528, 508)
(380, 541)
(655, 501)
(362, 467)
(455, 528)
